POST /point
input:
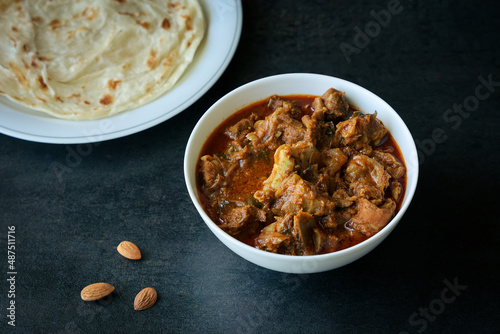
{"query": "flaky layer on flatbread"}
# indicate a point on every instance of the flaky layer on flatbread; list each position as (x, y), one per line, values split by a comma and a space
(89, 59)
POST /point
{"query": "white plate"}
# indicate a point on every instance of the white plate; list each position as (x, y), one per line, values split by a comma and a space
(224, 21)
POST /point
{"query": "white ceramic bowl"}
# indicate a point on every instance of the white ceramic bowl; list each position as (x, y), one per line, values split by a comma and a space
(300, 83)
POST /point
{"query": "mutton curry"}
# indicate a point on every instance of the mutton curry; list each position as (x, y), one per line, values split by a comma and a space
(301, 175)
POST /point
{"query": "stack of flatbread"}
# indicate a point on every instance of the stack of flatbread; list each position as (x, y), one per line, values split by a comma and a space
(88, 59)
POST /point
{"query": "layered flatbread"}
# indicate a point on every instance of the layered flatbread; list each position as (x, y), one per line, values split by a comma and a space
(89, 59)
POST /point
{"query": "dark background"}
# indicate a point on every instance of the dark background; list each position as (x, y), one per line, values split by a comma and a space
(428, 59)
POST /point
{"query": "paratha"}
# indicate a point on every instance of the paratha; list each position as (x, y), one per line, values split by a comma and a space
(89, 59)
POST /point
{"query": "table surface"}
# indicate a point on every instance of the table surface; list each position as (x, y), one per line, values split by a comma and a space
(436, 63)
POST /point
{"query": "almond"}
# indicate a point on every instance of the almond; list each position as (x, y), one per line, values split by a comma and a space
(96, 291)
(145, 299)
(129, 250)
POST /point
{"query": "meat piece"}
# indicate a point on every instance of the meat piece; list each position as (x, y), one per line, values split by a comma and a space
(278, 128)
(238, 155)
(313, 129)
(277, 103)
(241, 128)
(303, 158)
(293, 234)
(305, 155)
(286, 190)
(367, 171)
(370, 192)
(391, 165)
(244, 218)
(336, 104)
(319, 108)
(297, 194)
(333, 160)
(291, 132)
(320, 129)
(331, 221)
(337, 218)
(396, 190)
(335, 182)
(306, 234)
(212, 170)
(283, 167)
(273, 242)
(373, 128)
(350, 132)
(360, 131)
(349, 151)
(330, 106)
(287, 161)
(343, 199)
(369, 218)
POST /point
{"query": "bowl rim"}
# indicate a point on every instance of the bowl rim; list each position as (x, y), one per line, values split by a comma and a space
(366, 244)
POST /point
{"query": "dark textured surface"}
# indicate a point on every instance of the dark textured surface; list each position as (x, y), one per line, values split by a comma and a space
(427, 59)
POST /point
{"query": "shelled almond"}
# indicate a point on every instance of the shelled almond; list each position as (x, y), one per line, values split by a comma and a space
(129, 250)
(145, 299)
(96, 291)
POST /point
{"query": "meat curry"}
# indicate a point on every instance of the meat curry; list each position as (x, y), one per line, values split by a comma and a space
(301, 175)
